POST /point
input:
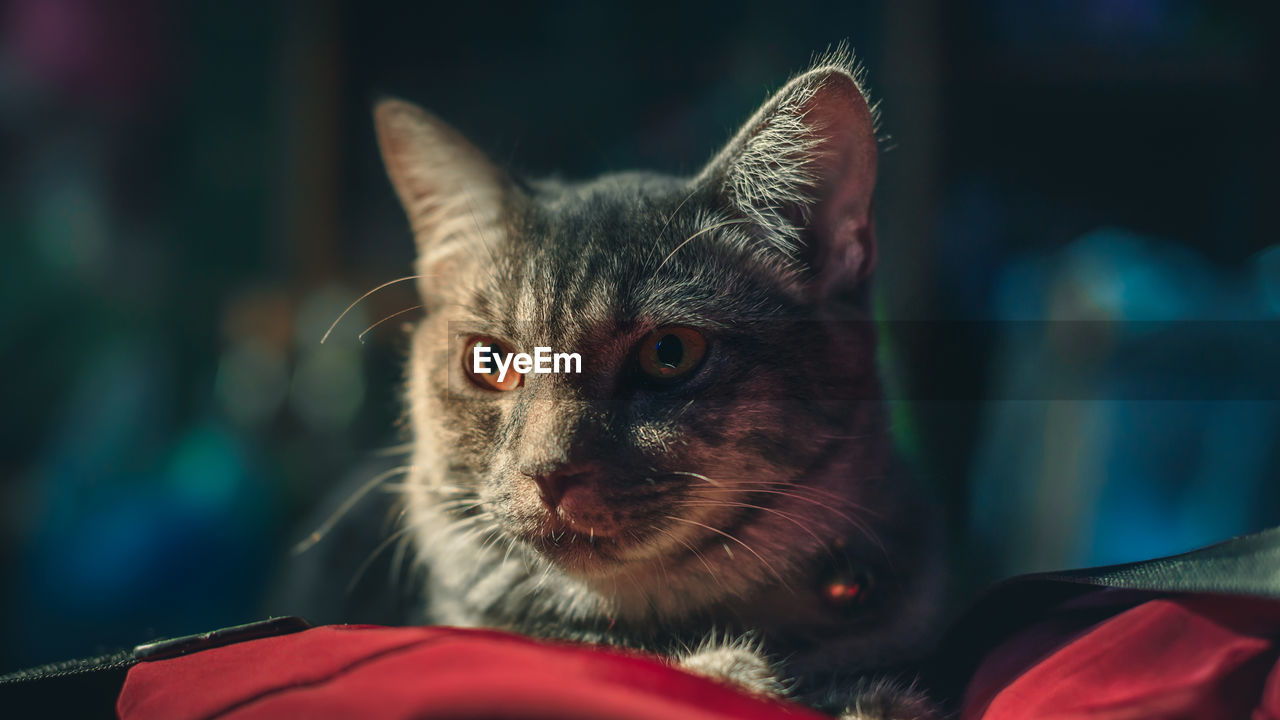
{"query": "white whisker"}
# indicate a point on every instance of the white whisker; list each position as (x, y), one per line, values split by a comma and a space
(362, 297)
(319, 533)
(748, 548)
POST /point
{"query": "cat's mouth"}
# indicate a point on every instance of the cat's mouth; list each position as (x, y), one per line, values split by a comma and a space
(590, 545)
(586, 553)
(601, 549)
(594, 529)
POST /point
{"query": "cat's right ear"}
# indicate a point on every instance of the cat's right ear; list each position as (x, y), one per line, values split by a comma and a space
(803, 170)
(450, 190)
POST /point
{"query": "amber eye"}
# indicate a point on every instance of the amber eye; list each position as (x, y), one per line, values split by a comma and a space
(671, 353)
(483, 362)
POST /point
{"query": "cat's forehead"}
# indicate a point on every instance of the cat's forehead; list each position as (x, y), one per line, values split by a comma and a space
(619, 250)
(615, 206)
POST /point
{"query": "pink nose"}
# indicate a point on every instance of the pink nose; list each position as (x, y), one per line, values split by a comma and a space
(552, 486)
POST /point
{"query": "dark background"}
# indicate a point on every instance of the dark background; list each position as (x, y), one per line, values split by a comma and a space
(190, 194)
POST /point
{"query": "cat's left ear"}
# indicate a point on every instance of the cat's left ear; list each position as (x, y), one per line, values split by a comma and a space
(803, 169)
(451, 192)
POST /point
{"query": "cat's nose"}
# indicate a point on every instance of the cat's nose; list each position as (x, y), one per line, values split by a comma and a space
(554, 484)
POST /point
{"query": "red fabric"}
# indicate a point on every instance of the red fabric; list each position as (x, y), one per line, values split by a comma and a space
(375, 672)
(1269, 705)
(1185, 657)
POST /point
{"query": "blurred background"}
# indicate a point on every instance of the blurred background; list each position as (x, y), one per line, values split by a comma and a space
(1079, 277)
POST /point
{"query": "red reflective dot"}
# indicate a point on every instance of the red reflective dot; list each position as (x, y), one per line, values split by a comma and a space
(839, 592)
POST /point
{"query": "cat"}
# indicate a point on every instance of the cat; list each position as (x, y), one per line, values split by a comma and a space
(718, 484)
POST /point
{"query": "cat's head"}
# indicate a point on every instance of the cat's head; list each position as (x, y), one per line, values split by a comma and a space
(724, 427)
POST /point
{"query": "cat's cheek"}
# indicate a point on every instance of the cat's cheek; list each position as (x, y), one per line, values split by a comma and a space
(445, 444)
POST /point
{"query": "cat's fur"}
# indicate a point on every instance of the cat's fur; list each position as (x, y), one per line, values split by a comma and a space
(712, 510)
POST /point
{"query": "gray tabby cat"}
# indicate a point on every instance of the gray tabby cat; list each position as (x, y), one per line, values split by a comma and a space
(718, 483)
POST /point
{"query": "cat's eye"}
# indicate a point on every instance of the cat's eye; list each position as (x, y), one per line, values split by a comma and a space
(671, 353)
(484, 361)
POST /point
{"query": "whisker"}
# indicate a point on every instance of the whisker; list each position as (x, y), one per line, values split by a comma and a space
(772, 511)
(507, 555)
(820, 492)
(796, 496)
(671, 217)
(447, 488)
(694, 475)
(459, 531)
(459, 504)
(731, 537)
(455, 524)
(411, 485)
(784, 483)
(662, 563)
(319, 533)
(643, 592)
(381, 547)
(401, 449)
(693, 550)
(709, 228)
(861, 526)
(494, 540)
(362, 297)
(475, 533)
(542, 580)
(397, 559)
(360, 337)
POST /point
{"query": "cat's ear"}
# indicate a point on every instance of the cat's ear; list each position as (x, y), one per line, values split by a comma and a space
(803, 169)
(450, 190)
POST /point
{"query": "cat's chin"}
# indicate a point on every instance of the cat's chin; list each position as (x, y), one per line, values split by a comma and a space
(583, 556)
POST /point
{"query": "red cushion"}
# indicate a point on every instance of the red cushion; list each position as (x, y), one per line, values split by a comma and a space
(1182, 657)
(375, 672)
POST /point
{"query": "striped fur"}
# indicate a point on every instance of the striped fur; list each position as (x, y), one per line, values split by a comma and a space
(717, 501)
